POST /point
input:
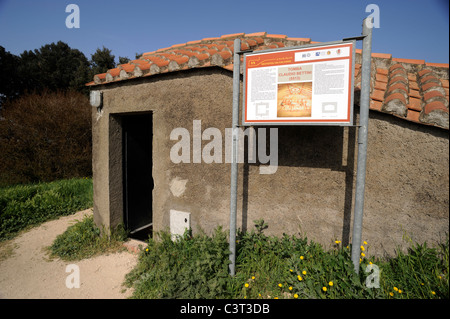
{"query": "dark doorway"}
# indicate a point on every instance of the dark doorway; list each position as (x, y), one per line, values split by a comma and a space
(137, 174)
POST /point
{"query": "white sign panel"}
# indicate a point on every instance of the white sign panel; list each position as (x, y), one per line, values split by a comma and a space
(310, 85)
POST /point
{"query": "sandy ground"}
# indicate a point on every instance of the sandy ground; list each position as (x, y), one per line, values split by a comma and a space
(27, 271)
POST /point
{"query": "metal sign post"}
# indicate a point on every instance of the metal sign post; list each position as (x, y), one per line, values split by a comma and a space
(234, 152)
(362, 142)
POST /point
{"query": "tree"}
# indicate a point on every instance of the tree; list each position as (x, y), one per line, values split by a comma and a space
(53, 67)
(9, 79)
(102, 60)
(123, 60)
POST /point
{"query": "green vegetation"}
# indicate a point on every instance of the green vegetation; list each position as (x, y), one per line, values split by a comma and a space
(84, 240)
(22, 206)
(286, 267)
(45, 137)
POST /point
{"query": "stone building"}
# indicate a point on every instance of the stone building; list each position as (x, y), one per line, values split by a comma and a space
(312, 191)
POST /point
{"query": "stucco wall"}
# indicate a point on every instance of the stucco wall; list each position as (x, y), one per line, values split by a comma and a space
(312, 192)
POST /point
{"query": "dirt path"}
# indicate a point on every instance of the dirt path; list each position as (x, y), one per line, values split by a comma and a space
(27, 271)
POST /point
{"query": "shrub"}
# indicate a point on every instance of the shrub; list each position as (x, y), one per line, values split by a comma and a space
(45, 137)
(84, 239)
(190, 267)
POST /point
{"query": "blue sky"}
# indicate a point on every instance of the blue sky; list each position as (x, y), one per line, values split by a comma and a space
(413, 29)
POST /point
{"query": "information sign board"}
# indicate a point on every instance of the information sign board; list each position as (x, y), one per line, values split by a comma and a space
(307, 85)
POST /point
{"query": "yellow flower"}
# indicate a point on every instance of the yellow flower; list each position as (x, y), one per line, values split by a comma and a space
(362, 248)
(253, 277)
(370, 263)
(395, 289)
(280, 285)
(259, 295)
(330, 283)
(304, 272)
(146, 249)
(301, 257)
(275, 298)
(290, 270)
(365, 243)
(299, 278)
(246, 285)
(295, 296)
(391, 294)
(399, 291)
(433, 292)
(324, 289)
(245, 297)
(290, 288)
(337, 241)
(363, 255)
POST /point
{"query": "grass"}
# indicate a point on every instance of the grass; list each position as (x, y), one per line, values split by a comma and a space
(84, 240)
(287, 267)
(23, 206)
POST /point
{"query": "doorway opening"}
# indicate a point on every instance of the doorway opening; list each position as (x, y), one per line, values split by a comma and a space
(137, 138)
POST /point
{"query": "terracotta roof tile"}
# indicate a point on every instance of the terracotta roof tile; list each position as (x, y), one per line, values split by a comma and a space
(382, 55)
(382, 71)
(377, 95)
(415, 104)
(381, 78)
(413, 85)
(375, 105)
(276, 36)
(438, 65)
(411, 89)
(415, 93)
(299, 39)
(435, 105)
(411, 61)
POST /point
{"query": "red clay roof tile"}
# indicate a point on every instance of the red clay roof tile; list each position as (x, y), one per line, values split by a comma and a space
(381, 55)
(438, 65)
(432, 94)
(377, 95)
(411, 61)
(395, 96)
(413, 116)
(276, 36)
(415, 93)
(299, 39)
(415, 104)
(435, 105)
(375, 105)
(382, 71)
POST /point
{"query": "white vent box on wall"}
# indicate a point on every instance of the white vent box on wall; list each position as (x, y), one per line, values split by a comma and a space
(179, 222)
